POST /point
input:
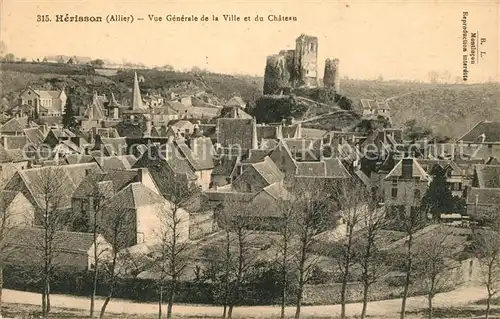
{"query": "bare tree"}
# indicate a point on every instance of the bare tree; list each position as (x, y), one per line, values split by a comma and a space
(433, 264)
(6, 225)
(410, 220)
(52, 218)
(238, 219)
(284, 245)
(371, 259)
(172, 254)
(353, 200)
(118, 225)
(95, 203)
(312, 212)
(486, 246)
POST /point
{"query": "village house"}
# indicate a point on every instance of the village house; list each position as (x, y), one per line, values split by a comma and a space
(457, 178)
(265, 213)
(405, 185)
(67, 178)
(481, 141)
(253, 177)
(375, 108)
(237, 133)
(16, 210)
(199, 155)
(486, 176)
(11, 160)
(14, 126)
(483, 203)
(47, 103)
(71, 250)
(143, 215)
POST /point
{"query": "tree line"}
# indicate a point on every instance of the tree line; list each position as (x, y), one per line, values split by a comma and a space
(340, 220)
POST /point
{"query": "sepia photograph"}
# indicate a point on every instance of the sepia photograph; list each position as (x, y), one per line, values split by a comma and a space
(249, 159)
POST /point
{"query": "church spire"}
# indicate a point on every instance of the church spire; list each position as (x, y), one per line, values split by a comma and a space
(136, 99)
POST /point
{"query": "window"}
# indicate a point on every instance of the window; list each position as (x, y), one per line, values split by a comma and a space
(394, 192)
(29, 102)
(394, 181)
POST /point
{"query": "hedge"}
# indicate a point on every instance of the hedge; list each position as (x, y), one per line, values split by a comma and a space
(261, 292)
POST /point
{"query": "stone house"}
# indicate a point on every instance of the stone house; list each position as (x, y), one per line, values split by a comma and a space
(481, 141)
(253, 177)
(48, 103)
(11, 160)
(456, 177)
(405, 185)
(264, 215)
(375, 108)
(199, 155)
(483, 203)
(16, 210)
(142, 215)
(71, 250)
(29, 182)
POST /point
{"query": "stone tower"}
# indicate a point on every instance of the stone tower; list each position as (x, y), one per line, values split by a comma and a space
(306, 60)
(276, 75)
(331, 78)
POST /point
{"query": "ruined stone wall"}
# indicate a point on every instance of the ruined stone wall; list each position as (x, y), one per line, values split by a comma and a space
(277, 75)
(331, 78)
(306, 60)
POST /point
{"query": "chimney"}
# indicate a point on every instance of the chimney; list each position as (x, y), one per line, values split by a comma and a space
(141, 174)
(279, 133)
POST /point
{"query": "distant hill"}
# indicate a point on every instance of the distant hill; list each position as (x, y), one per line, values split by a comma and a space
(80, 81)
(447, 109)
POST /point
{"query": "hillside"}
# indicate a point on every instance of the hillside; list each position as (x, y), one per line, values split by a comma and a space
(447, 109)
(81, 81)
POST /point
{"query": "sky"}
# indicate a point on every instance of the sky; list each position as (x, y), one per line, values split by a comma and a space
(402, 40)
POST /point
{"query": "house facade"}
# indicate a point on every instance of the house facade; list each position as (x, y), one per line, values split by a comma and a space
(405, 185)
(47, 103)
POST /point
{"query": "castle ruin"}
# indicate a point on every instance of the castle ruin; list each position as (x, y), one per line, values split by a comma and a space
(331, 78)
(299, 68)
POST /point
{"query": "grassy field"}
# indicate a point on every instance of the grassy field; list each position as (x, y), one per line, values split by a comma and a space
(29, 311)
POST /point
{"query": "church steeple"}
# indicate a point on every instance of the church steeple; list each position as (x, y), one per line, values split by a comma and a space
(136, 97)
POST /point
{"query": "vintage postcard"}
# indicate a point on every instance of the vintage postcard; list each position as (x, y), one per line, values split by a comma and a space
(249, 159)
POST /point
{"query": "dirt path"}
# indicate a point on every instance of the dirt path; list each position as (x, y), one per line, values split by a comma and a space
(457, 297)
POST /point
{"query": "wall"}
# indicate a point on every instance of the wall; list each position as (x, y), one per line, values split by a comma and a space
(405, 195)
(29, 95)
(149, 223)
(204, 178)
(306, 60)
(201, 224)
(153, 221)
(331, 77)
(147, 180)
(20, 212)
